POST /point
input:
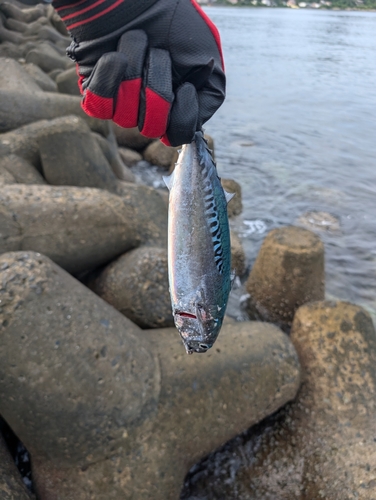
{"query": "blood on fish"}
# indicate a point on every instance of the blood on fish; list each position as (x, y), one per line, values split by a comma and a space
(187, 315)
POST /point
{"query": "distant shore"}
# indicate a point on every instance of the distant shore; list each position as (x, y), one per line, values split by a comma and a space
(296, 7)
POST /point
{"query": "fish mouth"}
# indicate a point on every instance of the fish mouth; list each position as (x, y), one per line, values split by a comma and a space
(190, 328)
(185, 314)
(200, 347)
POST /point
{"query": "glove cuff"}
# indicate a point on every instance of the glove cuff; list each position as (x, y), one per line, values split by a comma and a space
(91, 19)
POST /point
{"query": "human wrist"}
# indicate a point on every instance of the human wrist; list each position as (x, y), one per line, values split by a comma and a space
(92, 19)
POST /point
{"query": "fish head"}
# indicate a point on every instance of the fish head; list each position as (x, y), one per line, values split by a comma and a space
(198, 326)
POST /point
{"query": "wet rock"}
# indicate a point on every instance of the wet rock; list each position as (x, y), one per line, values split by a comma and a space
(14, 77)
(235, 207)
(129, 157)
(20, 170)
(40, 77)
(319, 221)
(110, 150)
(71, 156)
(109, 411)
(11, 485)
(67, 82)
(131, 138)
(288, 272)
(323, 444)
(237, 255)
(159, 154)
(136, 284)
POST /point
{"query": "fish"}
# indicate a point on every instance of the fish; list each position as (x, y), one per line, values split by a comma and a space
(199, 248)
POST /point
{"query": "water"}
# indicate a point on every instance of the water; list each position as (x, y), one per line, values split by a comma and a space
(298, 131)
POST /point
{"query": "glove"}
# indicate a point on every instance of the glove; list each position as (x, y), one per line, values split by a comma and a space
(155, 64)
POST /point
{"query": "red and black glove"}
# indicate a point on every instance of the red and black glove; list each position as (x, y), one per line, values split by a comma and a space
(155, 64)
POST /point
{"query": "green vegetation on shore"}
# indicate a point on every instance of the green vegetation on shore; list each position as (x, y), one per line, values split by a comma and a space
(323, 4)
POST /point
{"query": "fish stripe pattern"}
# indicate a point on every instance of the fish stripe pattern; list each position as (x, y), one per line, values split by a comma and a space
(212, 214)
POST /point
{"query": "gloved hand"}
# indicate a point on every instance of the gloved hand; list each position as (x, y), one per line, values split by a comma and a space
(155, 64)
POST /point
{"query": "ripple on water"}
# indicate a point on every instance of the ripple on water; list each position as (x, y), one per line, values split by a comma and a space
(320, 221)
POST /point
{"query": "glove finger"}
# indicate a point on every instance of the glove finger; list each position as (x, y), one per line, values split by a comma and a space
(133, 45)
(183, 117)
(156, 94)
(210, 98)
(199, 75)
(102, 86)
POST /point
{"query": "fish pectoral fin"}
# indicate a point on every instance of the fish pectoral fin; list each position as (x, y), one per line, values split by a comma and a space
(229, 196)
(168, 180)
(232, 277)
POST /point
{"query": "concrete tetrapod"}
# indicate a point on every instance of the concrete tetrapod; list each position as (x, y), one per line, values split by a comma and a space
(235, 206)
(24, 141)
(288, 272)
(22, 108)
(323, 445)
(21, 170)
(71, 156)
(80, 228)
(14, 77)
(136, 284)
(11, 485)
(40, 77)
(107, 410)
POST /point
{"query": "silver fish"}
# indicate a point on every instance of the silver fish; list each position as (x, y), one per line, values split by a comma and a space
(199, 254)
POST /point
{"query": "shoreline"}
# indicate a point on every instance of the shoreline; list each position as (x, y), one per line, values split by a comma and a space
(323, 8)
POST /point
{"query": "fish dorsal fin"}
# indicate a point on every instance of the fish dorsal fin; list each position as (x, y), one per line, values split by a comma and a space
(229, 196)
(168, 180)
